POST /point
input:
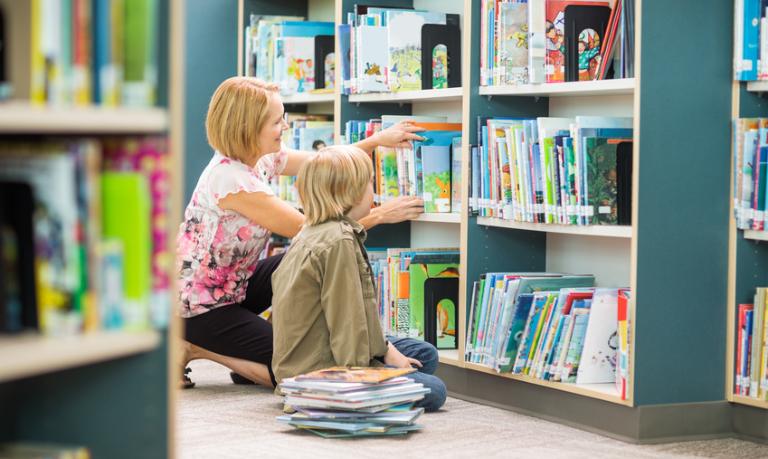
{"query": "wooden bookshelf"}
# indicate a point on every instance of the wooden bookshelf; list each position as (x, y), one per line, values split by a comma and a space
(575, 88)
(427, 95)
(606, 392)
(588, 230)
(31, 355)
(450, 357)
(749, 401)
(756, 235)
(309, 98)
(453, 218)
(23, 118)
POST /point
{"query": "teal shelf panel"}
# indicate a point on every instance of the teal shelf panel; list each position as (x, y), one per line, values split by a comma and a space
(683, 203)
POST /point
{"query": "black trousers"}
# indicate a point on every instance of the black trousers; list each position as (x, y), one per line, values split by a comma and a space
(236, 330)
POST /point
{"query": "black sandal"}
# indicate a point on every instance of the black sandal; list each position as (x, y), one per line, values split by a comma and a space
(186, 383)
(239, 379)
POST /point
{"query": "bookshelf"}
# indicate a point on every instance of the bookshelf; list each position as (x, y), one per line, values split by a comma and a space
(747, 270)
(22, 118)
(67, 389)
(33, 355)
(678, 295)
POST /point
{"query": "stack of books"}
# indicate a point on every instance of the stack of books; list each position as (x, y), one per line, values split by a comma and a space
(343, 402)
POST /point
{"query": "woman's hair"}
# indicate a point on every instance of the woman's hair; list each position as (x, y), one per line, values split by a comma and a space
(333, 181)
(236, 114)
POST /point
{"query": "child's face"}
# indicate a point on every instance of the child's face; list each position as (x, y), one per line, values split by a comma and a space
(270, 135)
(363, 208)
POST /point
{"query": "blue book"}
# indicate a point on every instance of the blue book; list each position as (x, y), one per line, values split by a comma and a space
(534, 316)
(476, 173)
(581, 320)
(522, 309)
(305, 28)
(343, 36)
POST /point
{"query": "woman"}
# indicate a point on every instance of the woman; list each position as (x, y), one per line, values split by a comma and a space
(229, 219)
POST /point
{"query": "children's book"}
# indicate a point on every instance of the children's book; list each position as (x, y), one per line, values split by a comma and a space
(513, 44)
(372, 59)
(575, 347)
(371, 375)
(434, 284)
(404, 42)
(599, 355)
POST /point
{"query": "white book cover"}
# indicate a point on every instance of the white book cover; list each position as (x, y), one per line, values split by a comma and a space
(372, 59)
(295, 64)
(598, 357)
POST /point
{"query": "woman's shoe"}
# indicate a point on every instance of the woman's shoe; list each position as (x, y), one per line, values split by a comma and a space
(237, 379)
(186, 383)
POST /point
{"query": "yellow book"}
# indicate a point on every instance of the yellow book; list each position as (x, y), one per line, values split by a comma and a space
(37, 78)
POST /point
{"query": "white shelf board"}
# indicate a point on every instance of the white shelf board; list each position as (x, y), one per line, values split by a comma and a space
(308, 98)
(607, 392)
(30, 355)
(427, 95)
(756, 235)
(23, 118)
(573, 88)
(450, 357)
(454, 218)
(757, 86)
(589, 230)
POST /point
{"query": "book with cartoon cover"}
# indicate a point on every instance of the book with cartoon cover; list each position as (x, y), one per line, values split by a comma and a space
(370, 375)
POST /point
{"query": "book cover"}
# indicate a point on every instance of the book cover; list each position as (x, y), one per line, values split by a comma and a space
(404, 42)
(513, 43)
(573, 357)
(295, 64)
(370, 375)
(598, 357)
(371, 59)
(434, 289)
(585, 27)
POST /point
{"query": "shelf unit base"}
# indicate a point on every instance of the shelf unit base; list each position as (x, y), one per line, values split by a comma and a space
(643, 424)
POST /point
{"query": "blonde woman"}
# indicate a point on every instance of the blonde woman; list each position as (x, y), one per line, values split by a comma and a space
(232, 212)
(325, 311)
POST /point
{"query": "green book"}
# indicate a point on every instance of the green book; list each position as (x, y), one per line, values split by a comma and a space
(602, 181)
(434, 278)
(126, 214)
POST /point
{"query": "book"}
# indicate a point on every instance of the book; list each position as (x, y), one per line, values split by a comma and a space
(598, 359)
(404, 44)
(434, 289)
(355, 374)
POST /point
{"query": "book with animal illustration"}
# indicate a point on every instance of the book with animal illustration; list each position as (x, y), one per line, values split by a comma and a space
(433, 165)
(372, 59)
(434, 289)
(404, 46)
(295, 64)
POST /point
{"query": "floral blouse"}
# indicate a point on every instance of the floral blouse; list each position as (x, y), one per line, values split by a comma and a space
(218, 249)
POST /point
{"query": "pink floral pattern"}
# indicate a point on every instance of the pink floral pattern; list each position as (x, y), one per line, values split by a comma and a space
(218, 250)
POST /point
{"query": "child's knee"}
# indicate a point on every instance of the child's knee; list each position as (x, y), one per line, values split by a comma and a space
(437, 395)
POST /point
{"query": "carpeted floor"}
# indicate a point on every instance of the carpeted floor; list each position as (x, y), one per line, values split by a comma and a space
(218, 419)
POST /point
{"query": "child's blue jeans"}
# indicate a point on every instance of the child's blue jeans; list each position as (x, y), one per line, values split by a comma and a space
(427, 355)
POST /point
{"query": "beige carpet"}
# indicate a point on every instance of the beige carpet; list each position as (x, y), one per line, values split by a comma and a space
(218, 419)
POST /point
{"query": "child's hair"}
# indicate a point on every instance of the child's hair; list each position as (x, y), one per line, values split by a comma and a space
(332, 182)
(236, 114)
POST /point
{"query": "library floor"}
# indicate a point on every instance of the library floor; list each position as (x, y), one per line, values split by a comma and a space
(218, 419)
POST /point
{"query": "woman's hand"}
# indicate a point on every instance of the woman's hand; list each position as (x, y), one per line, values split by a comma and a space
(394, 211)
(399, 135)
(396, 359)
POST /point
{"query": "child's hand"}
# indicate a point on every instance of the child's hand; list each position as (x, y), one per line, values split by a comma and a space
(396, 359)
(399, 209)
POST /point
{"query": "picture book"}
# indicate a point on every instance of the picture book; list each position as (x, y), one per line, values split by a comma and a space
(434, 283)
(370, 375)
(513, 44)
(404, 42)
(371, 59)
(295, 64)
(598, 356)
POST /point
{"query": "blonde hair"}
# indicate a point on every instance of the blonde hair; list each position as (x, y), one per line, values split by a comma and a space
(332, 182)
(236, 114)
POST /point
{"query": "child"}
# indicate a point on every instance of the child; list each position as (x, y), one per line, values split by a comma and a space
(324, 308)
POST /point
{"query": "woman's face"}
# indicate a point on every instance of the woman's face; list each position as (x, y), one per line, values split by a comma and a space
(270, 135)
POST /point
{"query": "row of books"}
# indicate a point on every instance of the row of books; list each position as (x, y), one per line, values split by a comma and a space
(397, 49)
(296, 54)
(750, 169)
(554, 327)
(430, 169)
(752, 348)
(418, 293)
(341, 402)
(750, 42)
(305, 133)
(551, 41)
(83, 235)
(568, 171)
(94, 52)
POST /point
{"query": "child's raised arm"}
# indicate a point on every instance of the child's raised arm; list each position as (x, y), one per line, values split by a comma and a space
(355, 336)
